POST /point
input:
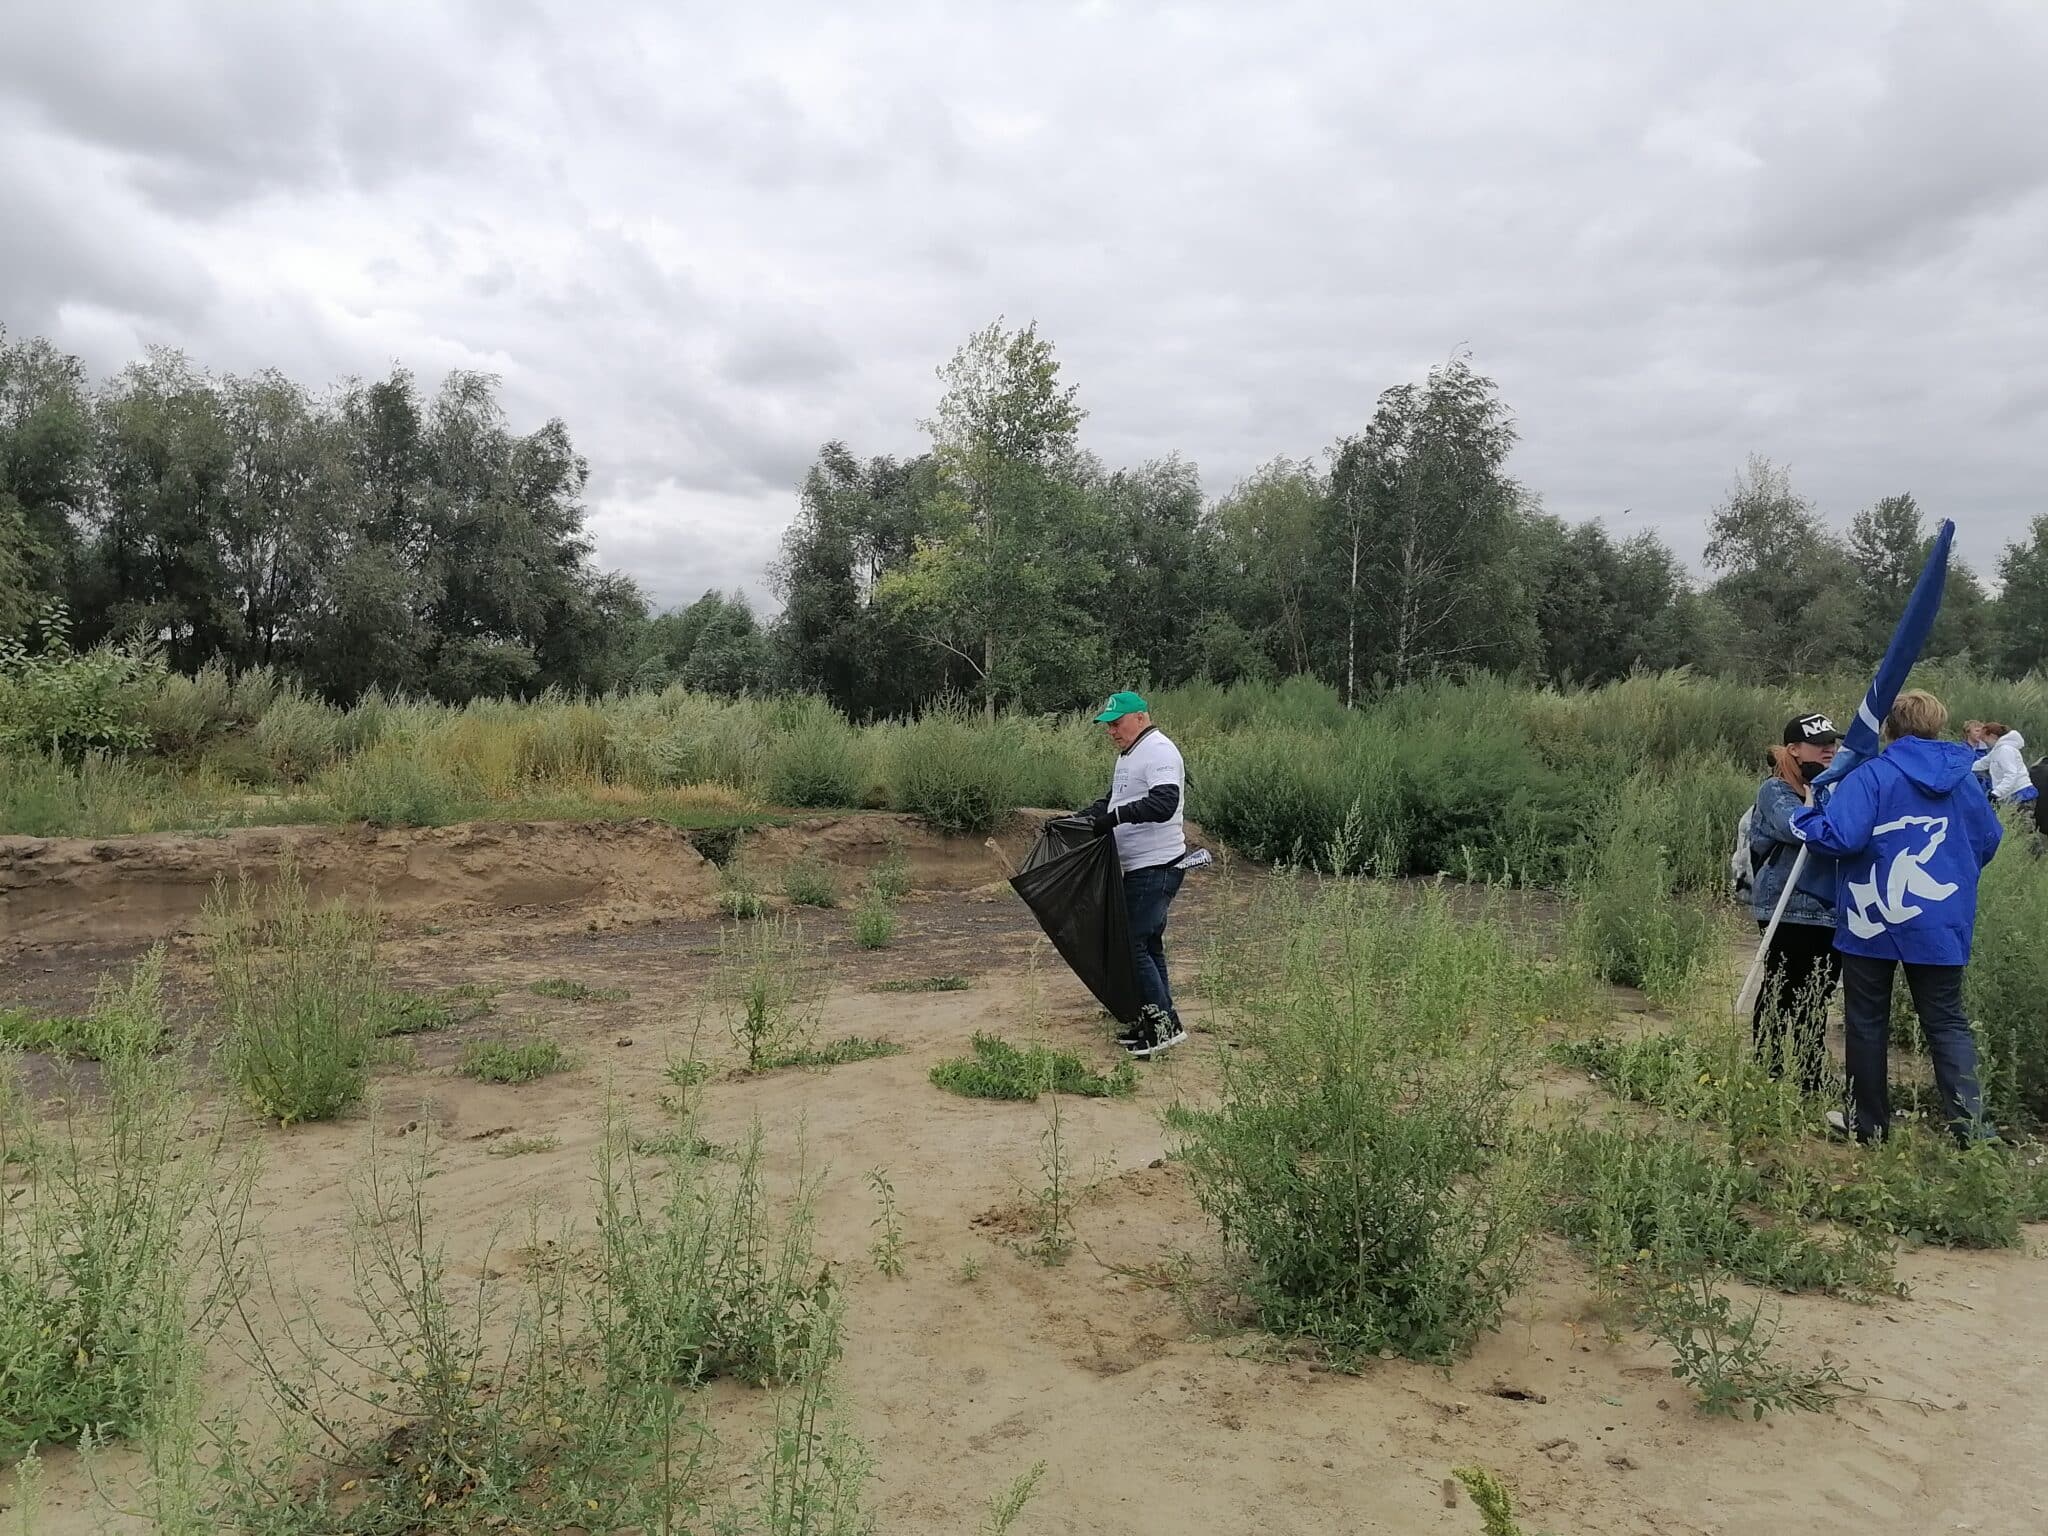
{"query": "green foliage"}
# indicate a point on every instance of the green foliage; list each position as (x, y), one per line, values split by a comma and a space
(955, 775)
(1921, 1188)
(766, 991)
(503, 1061)
(706, 1278)
(389, 787)
(97, 1283)
(1652, 1200)
(113, 1029)
(999, 1070)
(564, 990)
(810, 882)
(874, 923)
(1629, 928)
(889, 881)
(1727, 1354)
(300, 993)
(738, 897)
(2007, 984)
(834, 1053)
(1361, 1160)
(68, 702)
(887, 1247)
(1490, 1497)
(816, 762)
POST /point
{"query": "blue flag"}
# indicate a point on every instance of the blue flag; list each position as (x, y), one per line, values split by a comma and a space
(1859, 742)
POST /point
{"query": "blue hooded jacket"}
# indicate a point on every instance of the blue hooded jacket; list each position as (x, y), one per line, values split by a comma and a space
(1772, 848)
(1911, 832)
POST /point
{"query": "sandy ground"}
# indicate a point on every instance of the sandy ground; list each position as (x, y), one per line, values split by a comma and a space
(1152, 1415)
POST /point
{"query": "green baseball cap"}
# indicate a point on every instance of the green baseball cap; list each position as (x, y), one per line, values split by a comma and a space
(1121, 704)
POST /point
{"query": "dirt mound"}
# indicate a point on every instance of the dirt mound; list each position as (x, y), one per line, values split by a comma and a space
(857, 843)
(138, 889)
(141, 889)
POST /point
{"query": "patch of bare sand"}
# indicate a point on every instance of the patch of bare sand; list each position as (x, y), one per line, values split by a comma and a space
(1150, 1420)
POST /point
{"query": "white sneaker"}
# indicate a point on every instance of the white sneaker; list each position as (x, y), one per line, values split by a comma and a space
(1838, 1122)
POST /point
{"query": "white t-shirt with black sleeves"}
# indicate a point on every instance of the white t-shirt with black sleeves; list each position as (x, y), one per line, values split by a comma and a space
(1151, 761)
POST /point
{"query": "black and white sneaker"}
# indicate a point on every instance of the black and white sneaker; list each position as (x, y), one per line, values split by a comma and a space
(1162, 1033)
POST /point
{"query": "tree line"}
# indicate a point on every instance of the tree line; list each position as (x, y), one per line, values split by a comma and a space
(381, 536)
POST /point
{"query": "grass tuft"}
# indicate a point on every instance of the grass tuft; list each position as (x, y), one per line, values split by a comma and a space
(999, 1070)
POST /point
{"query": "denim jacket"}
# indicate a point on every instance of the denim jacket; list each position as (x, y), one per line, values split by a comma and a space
(1772, 848)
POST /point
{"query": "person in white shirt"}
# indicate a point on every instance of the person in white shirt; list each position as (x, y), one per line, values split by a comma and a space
(1145, 810)
(2002, 761)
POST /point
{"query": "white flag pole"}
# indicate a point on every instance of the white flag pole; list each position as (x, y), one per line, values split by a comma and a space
(1745, 1000)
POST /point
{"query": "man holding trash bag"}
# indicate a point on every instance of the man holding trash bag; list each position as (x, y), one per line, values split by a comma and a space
(1144, 811)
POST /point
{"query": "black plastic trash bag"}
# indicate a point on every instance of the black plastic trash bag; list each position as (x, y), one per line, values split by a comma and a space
(1074, 887)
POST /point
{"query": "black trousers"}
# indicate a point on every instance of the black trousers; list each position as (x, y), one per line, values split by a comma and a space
(1867, 1026)
(1801, 970)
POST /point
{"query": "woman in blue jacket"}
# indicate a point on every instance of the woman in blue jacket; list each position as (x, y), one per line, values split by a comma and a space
(1911, 831)
(1801, 968)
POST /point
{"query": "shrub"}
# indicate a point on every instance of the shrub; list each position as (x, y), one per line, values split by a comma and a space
(297, 737)
(69, 703)
(999, 1070)
(766, 990)
(187, 713)
(1919, 1187)
(2007, 984)
(388, 787)
(300, 991)
(810, 883)
(95, 1276)
(504, 1061)
(890, 880)
(1631, 930)
(816, 762)
(1728, 1354)
(1362, 1163)
(874, 923)
(956, 775)
(705, 1279)
(1652, 1198)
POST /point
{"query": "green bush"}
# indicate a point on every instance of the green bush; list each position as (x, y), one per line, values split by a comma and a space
(1361, 1161)
(94, 1268)
(388, 787)
(956, 775)
(703, 1277)
(999, 1070)
(810, 883)
(68, 702)
(816, 763)
(300, 994)
(2007, 983)
(874, 923)
(297, 737)
(1921, 1188)
(1630, 929)
(505, 1061)
(1654, 1199)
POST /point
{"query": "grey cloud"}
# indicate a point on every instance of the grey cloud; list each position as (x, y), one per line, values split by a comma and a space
(713, 241)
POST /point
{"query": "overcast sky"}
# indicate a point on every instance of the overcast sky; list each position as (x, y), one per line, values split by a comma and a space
(713, 236)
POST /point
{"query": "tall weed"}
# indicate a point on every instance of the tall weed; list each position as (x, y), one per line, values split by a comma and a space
(301, 996)
(2007, 983)
(98, 1280)
(1361, 1160)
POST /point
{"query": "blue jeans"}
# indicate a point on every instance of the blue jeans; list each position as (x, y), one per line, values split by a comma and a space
(1867, 1027)
(1147, 895)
